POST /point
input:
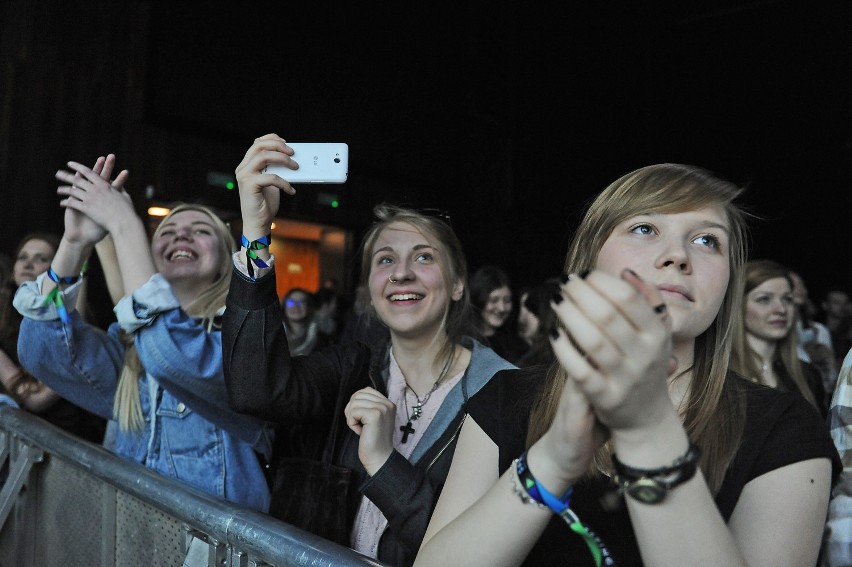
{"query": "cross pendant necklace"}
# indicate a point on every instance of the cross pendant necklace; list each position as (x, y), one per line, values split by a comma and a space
(416, 409)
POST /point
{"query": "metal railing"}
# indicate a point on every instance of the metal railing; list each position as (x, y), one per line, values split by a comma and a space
(67, 502)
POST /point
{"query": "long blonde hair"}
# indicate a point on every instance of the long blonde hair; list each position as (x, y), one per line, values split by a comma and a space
(714, 414)
(127, 408)
(744, 359)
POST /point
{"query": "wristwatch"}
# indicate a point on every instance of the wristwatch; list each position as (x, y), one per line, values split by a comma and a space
(650, 486)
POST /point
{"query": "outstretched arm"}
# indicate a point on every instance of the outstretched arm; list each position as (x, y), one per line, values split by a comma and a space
(260, 192)
(107, 256)
(105, 248)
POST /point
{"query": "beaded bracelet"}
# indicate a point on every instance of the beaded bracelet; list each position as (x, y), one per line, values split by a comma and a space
(251, 255)
(533, 492)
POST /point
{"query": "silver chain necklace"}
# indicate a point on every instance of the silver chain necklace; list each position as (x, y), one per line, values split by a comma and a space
(416, 409)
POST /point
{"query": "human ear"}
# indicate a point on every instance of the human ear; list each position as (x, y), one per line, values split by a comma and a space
(458, 290)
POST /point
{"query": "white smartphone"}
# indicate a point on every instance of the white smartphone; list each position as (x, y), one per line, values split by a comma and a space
(323, 162)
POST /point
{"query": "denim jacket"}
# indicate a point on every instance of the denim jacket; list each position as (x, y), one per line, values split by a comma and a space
(190, 433)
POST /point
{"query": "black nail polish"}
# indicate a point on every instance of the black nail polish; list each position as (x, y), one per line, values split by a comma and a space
(557, 298)
(632, 273)
(554, 333)
(584, 273)
(564, 279)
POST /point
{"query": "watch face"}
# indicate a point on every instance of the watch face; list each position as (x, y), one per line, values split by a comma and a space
(646, 490)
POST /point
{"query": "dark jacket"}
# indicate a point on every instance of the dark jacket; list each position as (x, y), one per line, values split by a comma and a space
(305, 392)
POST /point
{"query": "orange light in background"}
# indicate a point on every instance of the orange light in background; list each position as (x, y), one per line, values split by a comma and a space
(158, 211)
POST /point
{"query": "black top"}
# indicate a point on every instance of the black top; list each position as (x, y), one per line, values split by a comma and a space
(507, 344)
(813, 379)
(781, 429)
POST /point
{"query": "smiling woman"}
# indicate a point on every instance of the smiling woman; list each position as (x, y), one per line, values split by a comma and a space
(496, 312)
(403, 399)
(157, 373)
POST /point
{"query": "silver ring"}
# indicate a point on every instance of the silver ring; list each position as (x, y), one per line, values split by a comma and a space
(391, 280)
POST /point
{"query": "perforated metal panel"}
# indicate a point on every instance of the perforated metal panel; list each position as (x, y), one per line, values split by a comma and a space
(72, 518)
(146, 536)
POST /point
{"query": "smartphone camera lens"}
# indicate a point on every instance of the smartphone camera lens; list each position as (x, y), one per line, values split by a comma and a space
(337, 160)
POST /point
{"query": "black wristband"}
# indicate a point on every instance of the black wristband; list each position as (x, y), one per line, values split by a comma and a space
(651, 485)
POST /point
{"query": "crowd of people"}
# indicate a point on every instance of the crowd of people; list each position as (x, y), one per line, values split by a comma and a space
(668, 397)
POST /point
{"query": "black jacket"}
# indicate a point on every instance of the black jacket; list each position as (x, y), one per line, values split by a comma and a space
(302, 394)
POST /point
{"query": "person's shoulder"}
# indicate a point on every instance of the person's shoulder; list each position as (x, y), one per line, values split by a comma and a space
(765, 405)
(760, 397)
(502, 407)
(521, 385)
(785, 416)
(823, 335)
(485, 357)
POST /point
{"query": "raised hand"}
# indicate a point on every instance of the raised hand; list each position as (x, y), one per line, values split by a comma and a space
(565, 452)
(80, 227)
(617, 347)
(372, 416)
(260, 192)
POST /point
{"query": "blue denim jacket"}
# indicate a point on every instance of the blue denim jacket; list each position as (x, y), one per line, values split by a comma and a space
(190, 432)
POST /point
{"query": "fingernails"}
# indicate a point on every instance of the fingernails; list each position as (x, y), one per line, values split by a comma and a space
(632, 273)
(564, 279)
(557, 298)
(584, 274)
(554, 333)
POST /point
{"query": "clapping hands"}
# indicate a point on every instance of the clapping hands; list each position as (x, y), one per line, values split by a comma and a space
(91, 201)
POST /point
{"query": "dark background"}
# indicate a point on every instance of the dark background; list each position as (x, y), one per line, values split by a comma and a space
(510, 116)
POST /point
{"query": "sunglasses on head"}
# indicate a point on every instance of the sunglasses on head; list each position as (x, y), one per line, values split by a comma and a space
(435, 213)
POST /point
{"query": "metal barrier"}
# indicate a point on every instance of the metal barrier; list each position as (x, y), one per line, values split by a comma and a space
(67, 502)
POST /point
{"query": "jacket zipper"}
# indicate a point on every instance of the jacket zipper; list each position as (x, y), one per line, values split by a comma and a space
(444, 448)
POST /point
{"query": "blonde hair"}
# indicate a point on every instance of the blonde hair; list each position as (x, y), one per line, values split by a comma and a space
(714, 414)
(127, 408)
(744, 359)
(457, 316)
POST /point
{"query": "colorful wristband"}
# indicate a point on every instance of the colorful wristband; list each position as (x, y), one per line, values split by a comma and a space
(55, 296)
(537, 494)
(251, 255)
(67, 280)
